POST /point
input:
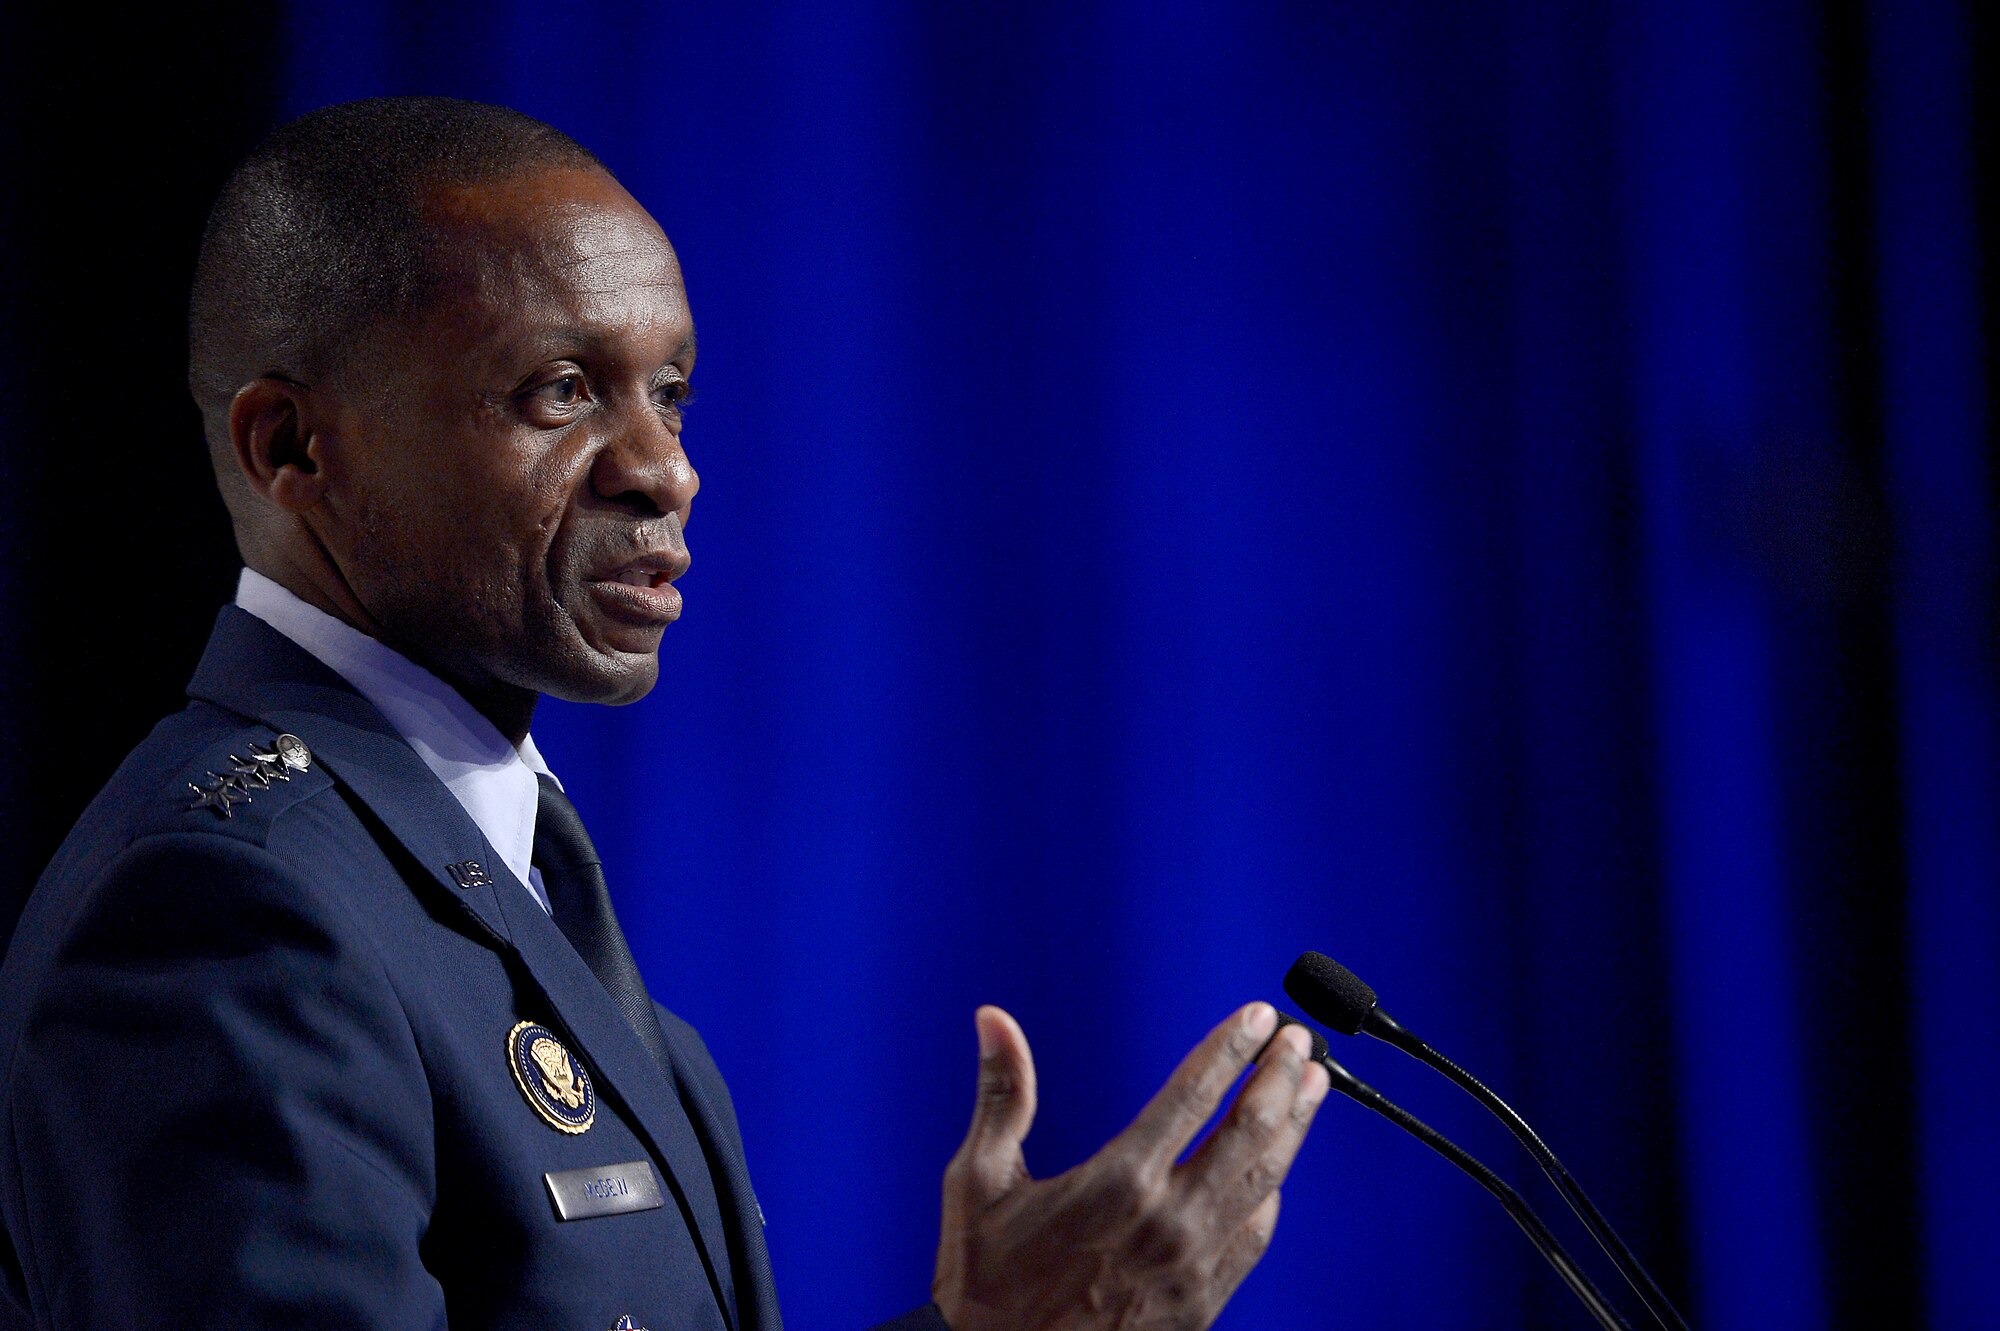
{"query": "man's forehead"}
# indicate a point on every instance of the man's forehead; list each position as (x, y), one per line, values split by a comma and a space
(555, 221)
(557, 256)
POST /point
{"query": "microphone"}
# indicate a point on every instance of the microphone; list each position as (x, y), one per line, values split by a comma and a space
(1531, 1224)
(1337, 998)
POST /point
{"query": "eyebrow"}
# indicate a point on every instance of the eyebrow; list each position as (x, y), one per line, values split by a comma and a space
(555, 340)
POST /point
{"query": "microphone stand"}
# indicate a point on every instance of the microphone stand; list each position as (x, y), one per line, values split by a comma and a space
(1361, 1093)
(1385, 1028)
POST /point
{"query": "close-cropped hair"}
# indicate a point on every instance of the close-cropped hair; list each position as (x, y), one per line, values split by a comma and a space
(319, 233)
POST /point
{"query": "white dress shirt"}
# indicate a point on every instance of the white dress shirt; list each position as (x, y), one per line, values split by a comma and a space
(494, 780)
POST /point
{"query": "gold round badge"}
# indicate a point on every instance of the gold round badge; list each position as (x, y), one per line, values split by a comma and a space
(554, 1083)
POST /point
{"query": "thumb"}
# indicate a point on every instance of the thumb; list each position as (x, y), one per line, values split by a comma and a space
(990, 1161)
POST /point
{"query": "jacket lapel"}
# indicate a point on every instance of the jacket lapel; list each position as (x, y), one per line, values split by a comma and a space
(252, 669)
(615, 1052)
(743, 1216)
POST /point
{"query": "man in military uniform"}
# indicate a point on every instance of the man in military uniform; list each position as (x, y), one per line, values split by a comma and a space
(320, 1017)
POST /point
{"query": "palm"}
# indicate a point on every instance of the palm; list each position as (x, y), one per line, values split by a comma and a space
(1128, 1239)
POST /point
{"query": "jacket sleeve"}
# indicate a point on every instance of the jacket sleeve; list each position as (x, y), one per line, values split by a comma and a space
(218, 1111)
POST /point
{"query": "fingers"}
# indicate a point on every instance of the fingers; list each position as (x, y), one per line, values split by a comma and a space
(1244, 1163)
(1171, 1118)
(989, 1161)
(1245, 1248)
(1006, 1104)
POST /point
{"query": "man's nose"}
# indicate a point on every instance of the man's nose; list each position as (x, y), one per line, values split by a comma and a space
(645, 468)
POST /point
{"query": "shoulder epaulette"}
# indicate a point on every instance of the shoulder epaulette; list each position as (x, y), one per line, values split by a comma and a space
(246, 779)
(264, 766)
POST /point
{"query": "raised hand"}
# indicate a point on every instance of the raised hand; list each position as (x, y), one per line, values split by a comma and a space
(1127, 1239)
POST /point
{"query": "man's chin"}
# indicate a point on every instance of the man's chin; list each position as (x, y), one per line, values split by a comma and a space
(613, 679)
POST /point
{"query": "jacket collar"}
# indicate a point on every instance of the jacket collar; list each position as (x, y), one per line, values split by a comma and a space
(252, 669)
(491, 776)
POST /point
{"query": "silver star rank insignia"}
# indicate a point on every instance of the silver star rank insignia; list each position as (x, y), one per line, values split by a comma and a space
(268, 763)
(252, 775)
(219, 795)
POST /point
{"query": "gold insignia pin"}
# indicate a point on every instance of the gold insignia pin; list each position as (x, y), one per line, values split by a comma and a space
(554, 1084)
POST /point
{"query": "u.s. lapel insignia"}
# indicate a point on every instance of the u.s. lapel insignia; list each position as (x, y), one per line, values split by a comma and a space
(554, 1083)
(469, 874)
(626, 1324)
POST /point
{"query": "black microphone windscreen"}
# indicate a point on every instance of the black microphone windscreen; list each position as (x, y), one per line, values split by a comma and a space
(1331, 994)
(1319, 1049)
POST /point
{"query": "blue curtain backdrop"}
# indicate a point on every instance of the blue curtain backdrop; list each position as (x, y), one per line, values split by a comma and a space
(1186, 483)
(1498, 493)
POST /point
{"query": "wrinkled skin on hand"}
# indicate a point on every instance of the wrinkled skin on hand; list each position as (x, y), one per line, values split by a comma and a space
(1127, 1239)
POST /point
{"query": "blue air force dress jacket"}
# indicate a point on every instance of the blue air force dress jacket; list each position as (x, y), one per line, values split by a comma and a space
(257, 1072)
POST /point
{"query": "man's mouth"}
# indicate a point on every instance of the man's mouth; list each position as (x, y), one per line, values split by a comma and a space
(640, 592)
(641, 577)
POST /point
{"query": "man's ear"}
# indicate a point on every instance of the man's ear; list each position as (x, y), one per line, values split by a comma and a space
(276, 435)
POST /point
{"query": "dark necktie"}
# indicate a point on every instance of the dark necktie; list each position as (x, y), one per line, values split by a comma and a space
(580, 902)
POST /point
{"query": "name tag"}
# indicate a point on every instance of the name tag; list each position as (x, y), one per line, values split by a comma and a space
(582, 1194)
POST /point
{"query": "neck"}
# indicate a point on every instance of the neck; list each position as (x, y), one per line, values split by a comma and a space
(509, 707)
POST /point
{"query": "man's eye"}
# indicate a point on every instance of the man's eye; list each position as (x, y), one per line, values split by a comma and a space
(674, 394)
(565, 391)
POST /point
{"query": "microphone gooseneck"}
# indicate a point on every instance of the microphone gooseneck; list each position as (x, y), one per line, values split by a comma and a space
(1524, 1215)
(1336, 997)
